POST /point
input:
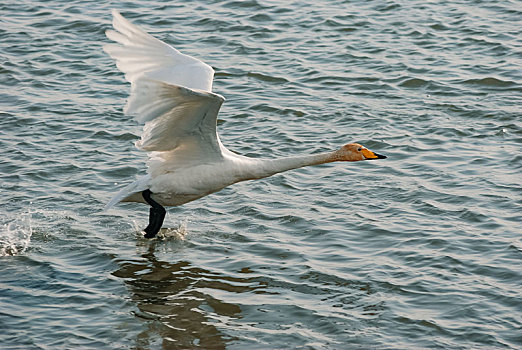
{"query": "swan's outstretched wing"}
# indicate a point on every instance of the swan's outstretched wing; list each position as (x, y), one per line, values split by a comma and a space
(140, 53)
(170, 93)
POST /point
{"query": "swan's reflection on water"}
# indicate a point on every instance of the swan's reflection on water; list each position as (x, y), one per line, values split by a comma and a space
(174, 302)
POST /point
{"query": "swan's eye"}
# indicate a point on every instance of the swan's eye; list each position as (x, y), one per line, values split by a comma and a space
(359, 149)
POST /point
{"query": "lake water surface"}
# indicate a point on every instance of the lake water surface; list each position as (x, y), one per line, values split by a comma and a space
(422, 250)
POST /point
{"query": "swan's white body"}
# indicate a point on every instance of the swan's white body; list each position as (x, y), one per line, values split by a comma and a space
(171, 94)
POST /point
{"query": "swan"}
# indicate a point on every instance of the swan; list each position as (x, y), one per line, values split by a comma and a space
(171, 94)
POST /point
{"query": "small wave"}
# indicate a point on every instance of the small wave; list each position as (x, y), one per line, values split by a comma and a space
(414, 83)
(251, 4)
(15, 236)
(490, 82)
(267, 78)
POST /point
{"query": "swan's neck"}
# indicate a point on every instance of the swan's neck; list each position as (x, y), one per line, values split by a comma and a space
(260, 168)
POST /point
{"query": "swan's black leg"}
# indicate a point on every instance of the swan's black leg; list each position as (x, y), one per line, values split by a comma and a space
(156, 215)
(151, 219)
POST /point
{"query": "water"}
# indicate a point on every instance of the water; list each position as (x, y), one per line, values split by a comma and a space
(421, 250)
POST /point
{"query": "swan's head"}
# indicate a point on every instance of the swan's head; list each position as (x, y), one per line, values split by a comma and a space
(353, 152)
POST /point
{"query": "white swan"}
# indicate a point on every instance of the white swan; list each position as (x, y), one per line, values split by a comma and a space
(171, 94)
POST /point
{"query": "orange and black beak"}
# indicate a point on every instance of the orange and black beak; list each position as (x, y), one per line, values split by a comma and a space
(369, 155)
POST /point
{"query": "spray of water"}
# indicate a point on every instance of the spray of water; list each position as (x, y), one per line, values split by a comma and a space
(15, 235)
(177, 232)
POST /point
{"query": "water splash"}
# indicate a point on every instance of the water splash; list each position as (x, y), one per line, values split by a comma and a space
(15, 235)
(167, 233)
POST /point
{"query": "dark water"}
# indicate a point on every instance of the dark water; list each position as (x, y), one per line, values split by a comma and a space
(422, 250)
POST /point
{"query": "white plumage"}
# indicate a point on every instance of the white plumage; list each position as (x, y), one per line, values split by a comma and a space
(171, 94)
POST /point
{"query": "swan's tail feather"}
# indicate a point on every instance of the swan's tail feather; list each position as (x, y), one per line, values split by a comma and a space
(137, 186)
